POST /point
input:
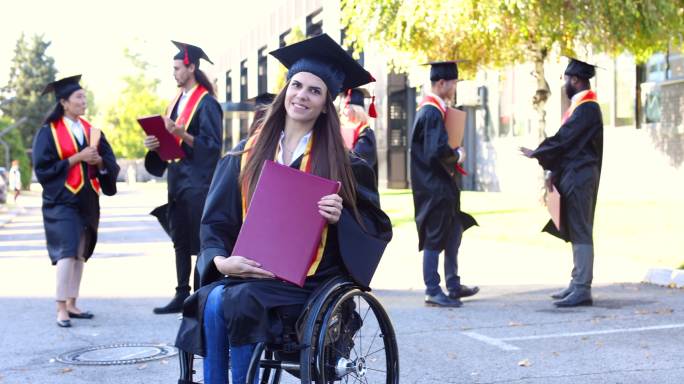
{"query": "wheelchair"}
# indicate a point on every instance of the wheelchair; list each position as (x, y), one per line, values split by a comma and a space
(342, 335)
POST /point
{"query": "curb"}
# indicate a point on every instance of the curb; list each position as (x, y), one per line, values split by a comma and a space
(667, 277)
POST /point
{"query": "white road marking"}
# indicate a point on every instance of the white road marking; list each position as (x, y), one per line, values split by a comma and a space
(491, 341)
(502, 343)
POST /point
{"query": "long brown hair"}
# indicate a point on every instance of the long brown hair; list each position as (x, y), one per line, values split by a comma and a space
(329, 158)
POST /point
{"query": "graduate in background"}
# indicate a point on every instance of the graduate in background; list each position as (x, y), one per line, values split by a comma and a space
(573, 156)
(363, 142)
(301, 129)
(71, 170)
(436, 193)
(261, 104)
(196, 119)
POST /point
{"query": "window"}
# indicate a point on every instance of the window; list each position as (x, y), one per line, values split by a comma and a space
(282, 40)
(243, 80)
(314, 24)
(229, 87)
(262, 72)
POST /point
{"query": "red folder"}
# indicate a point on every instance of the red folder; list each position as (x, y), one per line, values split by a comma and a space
(282, 228)
(168, 143)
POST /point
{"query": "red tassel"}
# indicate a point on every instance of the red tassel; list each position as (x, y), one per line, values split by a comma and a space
(371, 108)
(460, 170)
(186, 60)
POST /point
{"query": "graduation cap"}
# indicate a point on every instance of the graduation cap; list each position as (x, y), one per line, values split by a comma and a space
(63, 88)
(323, 57)
(190, 53)
(580, 69)
(357, 96)
(443, 70)
(265, 98)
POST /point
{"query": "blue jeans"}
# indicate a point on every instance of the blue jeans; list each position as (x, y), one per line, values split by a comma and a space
(218, 346)
(431, 262)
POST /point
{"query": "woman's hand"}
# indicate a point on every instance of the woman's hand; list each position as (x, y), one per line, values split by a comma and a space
(330, 207)
(151, 143)
(241, 267)
(526, 152)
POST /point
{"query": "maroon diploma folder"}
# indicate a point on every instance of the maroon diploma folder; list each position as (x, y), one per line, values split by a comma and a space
(282, 228)
(168, 143)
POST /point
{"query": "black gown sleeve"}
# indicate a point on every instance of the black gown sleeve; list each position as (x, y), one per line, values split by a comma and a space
(435, 145)
(154, 164)
(366, 148)
(222, 217)
(207, 143)
(550, 152)
(363, 243)
(108, 179)
(51, 171)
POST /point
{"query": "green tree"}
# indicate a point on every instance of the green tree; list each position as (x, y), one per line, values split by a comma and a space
(16, 149)
(498, 33)
(138, 98)
(30, 71)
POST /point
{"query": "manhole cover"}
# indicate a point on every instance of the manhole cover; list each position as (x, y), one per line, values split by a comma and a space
(117, 354)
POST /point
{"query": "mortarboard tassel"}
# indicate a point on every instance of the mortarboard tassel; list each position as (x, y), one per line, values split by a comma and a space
(186, 60)
(371, 108)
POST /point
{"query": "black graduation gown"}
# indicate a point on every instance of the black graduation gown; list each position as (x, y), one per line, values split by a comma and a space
(65, 214)
(188, 180)
(366, 148)
(574, 156)
(436, 194)
(251, 306)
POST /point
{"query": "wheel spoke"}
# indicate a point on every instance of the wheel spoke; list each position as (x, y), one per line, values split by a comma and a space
(376, 370)
(373, 341)
(371, 354)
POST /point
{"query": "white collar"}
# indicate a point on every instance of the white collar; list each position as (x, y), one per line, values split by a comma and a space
(578, 96)
(299, 151)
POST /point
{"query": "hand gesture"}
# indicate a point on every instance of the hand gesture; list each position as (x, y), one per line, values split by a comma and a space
(174, 129)
(330, 207)
(151, 143)
(241, 267)
(90, 156)
(526, 152)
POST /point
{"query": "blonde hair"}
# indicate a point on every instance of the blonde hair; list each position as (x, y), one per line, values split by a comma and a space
(357, 114)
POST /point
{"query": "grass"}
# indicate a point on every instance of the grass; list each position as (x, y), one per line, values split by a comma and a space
(645, 230)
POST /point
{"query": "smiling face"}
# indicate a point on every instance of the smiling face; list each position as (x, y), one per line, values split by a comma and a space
(305, 97)
(75, 104)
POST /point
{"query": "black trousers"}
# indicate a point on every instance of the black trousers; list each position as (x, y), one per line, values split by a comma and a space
(185, 214)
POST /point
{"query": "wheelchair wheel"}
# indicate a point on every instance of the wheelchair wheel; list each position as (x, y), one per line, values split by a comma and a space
(356, 342)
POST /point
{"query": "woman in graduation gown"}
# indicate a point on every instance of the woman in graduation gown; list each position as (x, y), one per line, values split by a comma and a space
(300, 129)
(363, 142)
(72, 171)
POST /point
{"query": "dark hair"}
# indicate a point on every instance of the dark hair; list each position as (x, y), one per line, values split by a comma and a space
(259, 114)
(203, 80)
(54, 115)
(329, 157)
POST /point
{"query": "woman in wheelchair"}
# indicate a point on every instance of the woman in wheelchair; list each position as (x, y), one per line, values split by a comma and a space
(239, 303)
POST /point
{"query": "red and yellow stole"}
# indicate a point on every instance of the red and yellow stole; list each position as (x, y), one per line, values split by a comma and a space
(66, 147)
(357, 132)
(588, 97)
(185, 116)
(431, 100)
(304, 166)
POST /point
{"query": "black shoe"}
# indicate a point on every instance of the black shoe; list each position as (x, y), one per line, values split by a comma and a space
(578, 297)
(64, 323)
(464, 291)
(82, 315)
(174, 306)
(560, 295)
(441, 300)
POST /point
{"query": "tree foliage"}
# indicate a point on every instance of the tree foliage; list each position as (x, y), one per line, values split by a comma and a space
(30, 71)
(296, 35)
(496, 33)
(138, 98)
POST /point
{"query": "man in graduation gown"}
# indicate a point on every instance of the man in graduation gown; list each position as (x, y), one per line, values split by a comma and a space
(436, 194)
(195, 118)
(573, 156)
